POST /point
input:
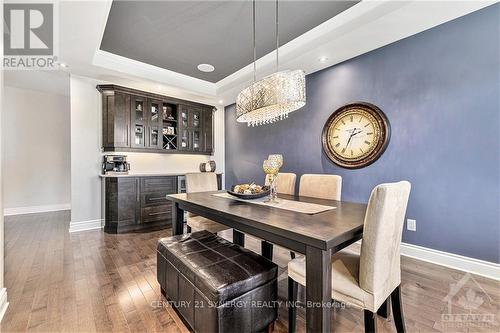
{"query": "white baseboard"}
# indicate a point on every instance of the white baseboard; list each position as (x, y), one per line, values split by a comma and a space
(475, 266)
(35, 209)
(3, 302)
(85, 225)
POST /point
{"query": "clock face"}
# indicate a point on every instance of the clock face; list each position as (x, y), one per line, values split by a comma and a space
(355, 135)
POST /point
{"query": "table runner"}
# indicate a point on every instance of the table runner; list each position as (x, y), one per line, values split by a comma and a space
(297, 206)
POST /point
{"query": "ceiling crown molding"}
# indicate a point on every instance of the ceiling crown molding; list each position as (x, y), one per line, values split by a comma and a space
(139, 69)
(364, 27)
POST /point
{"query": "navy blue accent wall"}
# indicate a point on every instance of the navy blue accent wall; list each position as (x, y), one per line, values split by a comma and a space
(440, 91)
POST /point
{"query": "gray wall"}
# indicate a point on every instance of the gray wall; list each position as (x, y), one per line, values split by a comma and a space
(37, 144)
(440, 91)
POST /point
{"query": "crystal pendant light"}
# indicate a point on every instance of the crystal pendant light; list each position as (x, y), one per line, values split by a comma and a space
(273, 97)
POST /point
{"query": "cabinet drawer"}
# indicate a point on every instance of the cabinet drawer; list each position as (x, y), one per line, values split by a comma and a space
(159, 184)
(156, 213)
(154, 198)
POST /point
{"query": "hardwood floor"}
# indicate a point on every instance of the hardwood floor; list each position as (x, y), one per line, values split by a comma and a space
(91, 281)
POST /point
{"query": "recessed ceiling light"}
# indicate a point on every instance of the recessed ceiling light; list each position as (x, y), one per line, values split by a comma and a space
(221, 101)
(323, 59)
(159, 87)
(207, 68)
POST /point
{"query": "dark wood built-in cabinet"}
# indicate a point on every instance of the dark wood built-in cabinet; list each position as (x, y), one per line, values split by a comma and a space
(139, 121)
(136, 203)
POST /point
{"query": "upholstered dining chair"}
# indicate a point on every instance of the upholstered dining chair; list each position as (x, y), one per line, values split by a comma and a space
(367, 280)
(202, 182)
(285, 183)
(321, 186)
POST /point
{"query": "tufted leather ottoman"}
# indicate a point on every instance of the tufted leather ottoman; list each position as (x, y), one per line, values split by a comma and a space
(217, 286)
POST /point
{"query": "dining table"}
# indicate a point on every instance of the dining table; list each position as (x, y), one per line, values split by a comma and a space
(316, 235)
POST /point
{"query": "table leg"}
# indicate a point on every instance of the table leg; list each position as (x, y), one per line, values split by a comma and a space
(318, 289)
(238, 238)
(177, 220)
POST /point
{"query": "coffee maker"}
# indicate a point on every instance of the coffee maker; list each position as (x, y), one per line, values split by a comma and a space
(115, 164)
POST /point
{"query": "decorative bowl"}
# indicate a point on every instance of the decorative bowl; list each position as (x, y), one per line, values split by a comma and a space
(265, 192)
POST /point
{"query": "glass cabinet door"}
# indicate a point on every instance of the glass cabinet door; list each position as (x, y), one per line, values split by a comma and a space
(196, 140)
(139, 135)
(139, 109)
(184, 139)
(138, 118)
(184, 118)
(153, 137)
(195, 119)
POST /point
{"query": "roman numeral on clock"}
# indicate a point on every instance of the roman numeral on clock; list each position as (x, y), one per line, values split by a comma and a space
(367, 142)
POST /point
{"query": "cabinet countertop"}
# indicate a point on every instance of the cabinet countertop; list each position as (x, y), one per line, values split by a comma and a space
(130, 174)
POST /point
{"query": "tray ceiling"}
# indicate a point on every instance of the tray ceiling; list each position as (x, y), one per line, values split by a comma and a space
(179, 35)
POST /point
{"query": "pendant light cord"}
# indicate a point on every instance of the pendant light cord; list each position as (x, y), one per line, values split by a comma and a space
(254, 47)
(277, 37)
(254, 42)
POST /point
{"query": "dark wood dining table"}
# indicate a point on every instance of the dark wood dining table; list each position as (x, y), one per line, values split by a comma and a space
(318, 236)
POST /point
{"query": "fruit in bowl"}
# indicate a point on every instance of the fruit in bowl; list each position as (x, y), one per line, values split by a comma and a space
(247, 188)
(249, 191)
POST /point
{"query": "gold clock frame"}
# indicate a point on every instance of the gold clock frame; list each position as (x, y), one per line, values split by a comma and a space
(383, 140)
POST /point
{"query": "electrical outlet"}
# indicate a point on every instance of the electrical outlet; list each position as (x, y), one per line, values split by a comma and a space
(411, 225)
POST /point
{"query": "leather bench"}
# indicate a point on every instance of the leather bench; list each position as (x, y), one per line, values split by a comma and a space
(215, 285)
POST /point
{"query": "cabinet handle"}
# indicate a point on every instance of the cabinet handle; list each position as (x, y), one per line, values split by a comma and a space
(158, 213)
(138, 192)
(156, 199)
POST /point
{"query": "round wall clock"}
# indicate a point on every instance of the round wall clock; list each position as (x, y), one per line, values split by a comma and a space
(356, 135)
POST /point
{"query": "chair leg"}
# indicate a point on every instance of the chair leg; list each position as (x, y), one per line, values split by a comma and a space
(397, 310)
(292, 255)
(385, 308)
(292, 301)
(370, 321)
(267, 249)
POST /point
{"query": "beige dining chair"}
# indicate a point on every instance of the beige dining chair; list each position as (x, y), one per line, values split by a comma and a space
(321, 186)
(202, 182)
(367, 280)
(285, 183)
